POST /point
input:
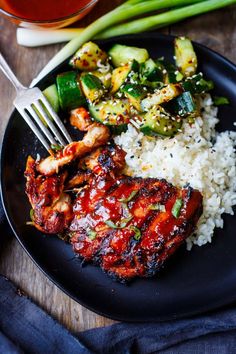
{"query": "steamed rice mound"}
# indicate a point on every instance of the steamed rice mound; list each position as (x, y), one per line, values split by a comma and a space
(199, 156)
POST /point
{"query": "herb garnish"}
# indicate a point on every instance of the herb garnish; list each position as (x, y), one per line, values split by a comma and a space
(177, 208)
(218, 101)
(121, 225)
(92, 234)
(129, 198)
(137, 232)
(32, 214)
(56, 147)
(157, 206)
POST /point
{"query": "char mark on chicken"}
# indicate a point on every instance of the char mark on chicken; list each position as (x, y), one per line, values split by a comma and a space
(127, 225)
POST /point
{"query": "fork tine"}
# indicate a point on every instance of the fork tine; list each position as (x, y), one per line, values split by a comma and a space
(56, 119)
(41, 125)
(33, 127)
(37, 104)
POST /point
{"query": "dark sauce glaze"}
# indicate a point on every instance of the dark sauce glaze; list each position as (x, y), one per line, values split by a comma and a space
(115, 246)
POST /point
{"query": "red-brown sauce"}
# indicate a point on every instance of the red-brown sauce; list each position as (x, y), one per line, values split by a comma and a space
(42, 10)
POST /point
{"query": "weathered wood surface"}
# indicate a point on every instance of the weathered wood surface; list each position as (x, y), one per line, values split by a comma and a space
(216, 30)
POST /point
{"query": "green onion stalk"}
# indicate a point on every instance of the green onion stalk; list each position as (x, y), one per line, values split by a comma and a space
(164, 19)
(129, 9)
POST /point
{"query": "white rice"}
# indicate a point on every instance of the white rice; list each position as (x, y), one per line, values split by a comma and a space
(200, 156)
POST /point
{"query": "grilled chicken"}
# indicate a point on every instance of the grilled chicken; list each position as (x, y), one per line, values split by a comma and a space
(80, 119)
(127, 226)
(97, 135)
(109, 158)
(52, 209)
(51, 206)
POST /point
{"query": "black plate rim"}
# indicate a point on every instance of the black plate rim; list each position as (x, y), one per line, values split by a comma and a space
(208, 307)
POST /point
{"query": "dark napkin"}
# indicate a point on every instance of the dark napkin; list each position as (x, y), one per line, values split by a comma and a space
(25, 328)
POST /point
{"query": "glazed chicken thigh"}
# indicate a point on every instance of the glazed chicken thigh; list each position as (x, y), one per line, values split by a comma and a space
(128, 226)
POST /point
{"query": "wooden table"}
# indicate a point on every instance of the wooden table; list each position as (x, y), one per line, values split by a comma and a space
(216, 30)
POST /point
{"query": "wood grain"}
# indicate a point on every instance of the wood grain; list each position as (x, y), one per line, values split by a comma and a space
(216, 30)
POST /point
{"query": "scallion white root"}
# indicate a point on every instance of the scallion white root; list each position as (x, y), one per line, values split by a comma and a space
(35, 38)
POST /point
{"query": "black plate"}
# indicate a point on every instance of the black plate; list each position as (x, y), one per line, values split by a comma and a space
(191, 282)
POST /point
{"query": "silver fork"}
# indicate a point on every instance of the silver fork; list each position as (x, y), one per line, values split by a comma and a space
(30, 102)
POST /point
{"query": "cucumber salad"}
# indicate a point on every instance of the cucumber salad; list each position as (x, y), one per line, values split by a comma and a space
(125, 85)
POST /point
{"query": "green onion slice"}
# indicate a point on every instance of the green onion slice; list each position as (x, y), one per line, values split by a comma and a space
(129, 198)
(32, 214)
(121, 225)
(157, 206)
(111, 224)
(218, 101)
(137, 232)
(56, 147)
(177, 208)
(92, 234)
(124, 222)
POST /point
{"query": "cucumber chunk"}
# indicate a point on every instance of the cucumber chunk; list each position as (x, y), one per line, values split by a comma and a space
(113, 112)
(135, 94)
(182, 105)
(92, 87)
(163, 95)
(157, 122)
(69, 91)
(197, 84)
(51, 95)
(185, 56)
(122, 54)
(151, 71)
(121, 74)
(172, 74)
(104, 77)
(88, 57)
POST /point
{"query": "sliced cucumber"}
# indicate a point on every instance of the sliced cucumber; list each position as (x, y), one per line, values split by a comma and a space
(88, 57)
(122, 54)
(92, 87)
(121, 74)
(69, 91)
(51, 95)
(182, 105)
(113, 112)
(163, 95)
(171, 73)
(196, 84)
(104, 77)
(151, 71)
(135, 94)
(185, 56)
(157, 122)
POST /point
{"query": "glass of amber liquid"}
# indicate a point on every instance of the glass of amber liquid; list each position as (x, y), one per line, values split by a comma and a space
(45, 13)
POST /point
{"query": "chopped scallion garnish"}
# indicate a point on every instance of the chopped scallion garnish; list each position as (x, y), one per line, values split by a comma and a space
(56, 147)
(218, 101)
(121, 225)
(177, 207)
(111, 224)
(157, 206)
(92, 234)
(137, 232)
(154, 206)
(129, 198)
(32, 214)
(124, 222)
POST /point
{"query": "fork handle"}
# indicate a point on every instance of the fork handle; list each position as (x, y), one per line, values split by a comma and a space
(10, 75)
